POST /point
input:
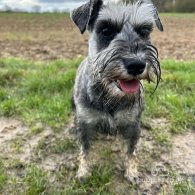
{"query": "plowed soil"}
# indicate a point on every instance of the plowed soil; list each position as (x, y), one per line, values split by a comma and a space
(54, 36)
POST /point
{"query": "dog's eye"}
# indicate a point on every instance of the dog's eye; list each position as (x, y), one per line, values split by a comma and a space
(144, 31)
(108, 31)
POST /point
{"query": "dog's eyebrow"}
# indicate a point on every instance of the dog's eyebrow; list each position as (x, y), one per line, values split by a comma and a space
(108, 23)
(148, 26)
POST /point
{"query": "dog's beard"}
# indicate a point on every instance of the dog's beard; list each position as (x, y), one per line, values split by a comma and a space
(153, 64)
(112, 96)
(113, 76)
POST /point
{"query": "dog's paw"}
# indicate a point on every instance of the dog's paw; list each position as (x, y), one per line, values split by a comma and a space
(131, 175)
(83, 173)
(131, 170)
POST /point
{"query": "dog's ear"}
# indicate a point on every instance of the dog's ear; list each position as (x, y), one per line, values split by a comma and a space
(157, 19)
(85, 15)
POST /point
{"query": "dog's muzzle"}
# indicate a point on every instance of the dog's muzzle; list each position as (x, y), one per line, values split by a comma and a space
(134, 67)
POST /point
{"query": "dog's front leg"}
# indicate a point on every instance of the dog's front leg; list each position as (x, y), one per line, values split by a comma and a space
(130, 159)
(130, 164)
(84, 170)
(83, 133)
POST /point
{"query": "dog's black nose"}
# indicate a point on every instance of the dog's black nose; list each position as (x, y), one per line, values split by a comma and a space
(134, 66)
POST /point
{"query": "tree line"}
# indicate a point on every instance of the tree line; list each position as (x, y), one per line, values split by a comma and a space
(173, 5)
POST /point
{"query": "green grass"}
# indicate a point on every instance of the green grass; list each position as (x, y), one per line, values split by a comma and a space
(36, 129)
(35, 181)
(3, 176)
(178, 15)
(61, 145)
(37, 91)
(98, 183)
(55, 146)
(174, 99)
(185, 187)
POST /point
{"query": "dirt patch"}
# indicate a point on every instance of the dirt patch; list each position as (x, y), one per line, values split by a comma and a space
(155, 163)
(55, 37)
(182, 156)
(15, 142)
(10, 129)
(166, 168)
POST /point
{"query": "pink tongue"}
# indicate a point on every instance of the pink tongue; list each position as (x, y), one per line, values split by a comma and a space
(130, 86)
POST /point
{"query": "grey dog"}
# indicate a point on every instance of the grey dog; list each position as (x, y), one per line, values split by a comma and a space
(108, 92)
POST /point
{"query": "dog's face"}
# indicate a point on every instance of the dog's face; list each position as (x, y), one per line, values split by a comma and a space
(119, 45)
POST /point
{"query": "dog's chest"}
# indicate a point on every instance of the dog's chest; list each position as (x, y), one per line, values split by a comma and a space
(111, 124)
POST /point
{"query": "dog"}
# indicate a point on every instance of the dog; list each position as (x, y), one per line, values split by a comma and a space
(108, 92)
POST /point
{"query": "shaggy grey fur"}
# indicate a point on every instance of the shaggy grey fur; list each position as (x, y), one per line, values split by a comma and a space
(120, 49)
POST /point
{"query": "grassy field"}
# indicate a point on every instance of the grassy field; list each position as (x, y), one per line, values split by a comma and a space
(26, 86)
(39, 92)
(39, 156)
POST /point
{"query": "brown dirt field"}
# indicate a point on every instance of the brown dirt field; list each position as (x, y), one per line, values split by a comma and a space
(155, 179)
(54, 36)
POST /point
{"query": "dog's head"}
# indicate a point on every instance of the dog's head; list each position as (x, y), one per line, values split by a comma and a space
(119, 45)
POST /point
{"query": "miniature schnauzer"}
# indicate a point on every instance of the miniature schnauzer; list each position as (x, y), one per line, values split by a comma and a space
(108, 93)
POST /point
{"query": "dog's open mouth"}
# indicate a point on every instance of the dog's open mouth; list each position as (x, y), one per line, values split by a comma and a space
(128, 86)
